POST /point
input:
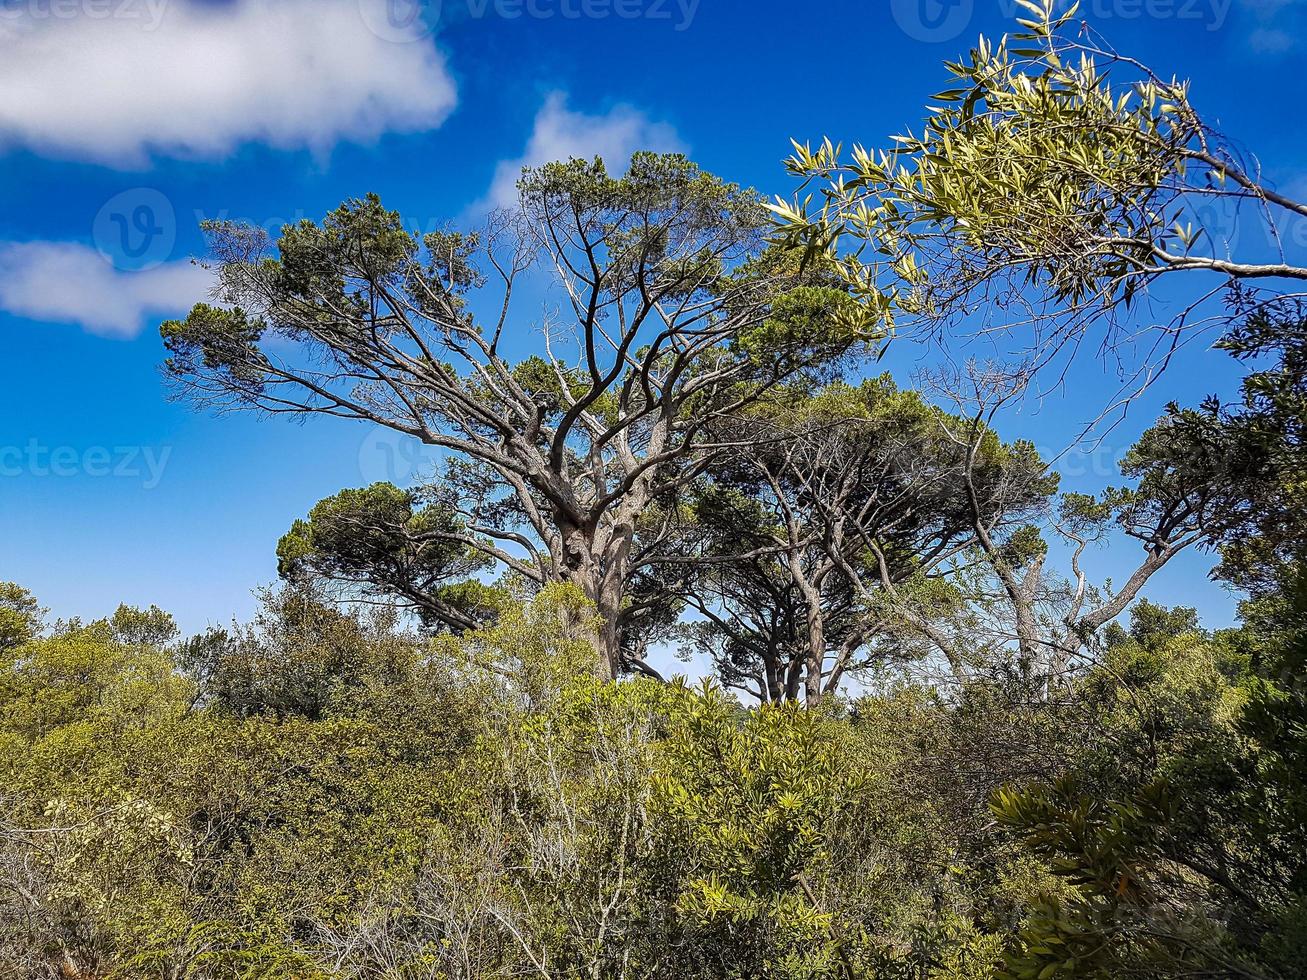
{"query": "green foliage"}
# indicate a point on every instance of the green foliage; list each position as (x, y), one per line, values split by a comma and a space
(381, 541)
(1179, 842)
(295, 660)
(1153, 626)
(1103, 850)
(1032, 157)
(142, 627)
(1052, 176)
(808, 318)
(223, 341)
(20, 616)
(1261, 482)
(751, 804)
(319, 794)
(360, 240)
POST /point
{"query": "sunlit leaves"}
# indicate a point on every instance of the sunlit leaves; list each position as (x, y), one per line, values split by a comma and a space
(1034, 166)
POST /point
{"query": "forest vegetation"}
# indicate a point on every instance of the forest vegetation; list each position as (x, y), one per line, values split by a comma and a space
(930, 746)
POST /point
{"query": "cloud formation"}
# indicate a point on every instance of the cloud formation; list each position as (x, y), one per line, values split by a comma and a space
(118, 82)
(560, 134)
(1270, 40)
(1278, 25)
(63, 282)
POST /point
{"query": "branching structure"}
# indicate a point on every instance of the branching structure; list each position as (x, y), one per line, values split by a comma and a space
(1055, 181)
(675, 316)
(851, 494)
(1009, 599)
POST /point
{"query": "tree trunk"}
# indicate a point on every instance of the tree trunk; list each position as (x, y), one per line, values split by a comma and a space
(603, 636)
(794, 676)
(598, 568)
(609, 645)
(816, 659)
(815, 653)
(612, 591)
(773, 675)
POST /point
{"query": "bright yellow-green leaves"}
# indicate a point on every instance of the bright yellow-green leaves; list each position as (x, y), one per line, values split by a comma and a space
(486, 807)
(20, 616)
(753, 799)
(1035, 168)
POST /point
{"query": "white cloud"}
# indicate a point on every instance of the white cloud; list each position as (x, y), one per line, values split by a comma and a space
(1270, 40)
(116, 81)
(1279, 25)
(63, 282)
(560, 134)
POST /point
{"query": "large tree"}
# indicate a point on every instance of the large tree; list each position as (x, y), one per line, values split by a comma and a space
(673, 315)
(847, 494)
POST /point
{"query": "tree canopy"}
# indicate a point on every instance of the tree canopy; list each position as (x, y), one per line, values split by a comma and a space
(675, 314)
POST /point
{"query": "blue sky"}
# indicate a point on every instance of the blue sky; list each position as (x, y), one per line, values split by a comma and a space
(125, 122)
